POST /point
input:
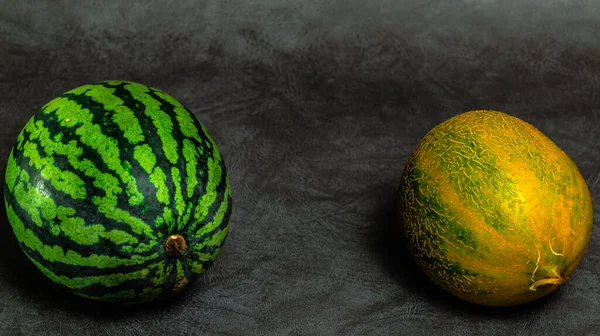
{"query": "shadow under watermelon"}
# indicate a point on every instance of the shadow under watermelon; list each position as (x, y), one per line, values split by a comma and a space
(393, 253)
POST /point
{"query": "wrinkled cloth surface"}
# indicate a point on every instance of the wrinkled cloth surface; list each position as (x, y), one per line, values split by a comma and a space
(316, 106)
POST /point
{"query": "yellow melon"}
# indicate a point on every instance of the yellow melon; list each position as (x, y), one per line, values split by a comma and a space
(492, 210)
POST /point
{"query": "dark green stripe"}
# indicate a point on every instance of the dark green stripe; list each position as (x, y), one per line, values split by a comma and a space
(216, 173)
(160, 282)
(470, 168)
(142, 157)
(11, 171)
(192, 147)
(66, 257)
(206, 246)
(57, 254)
(202, 259)
(420, 189)
(162, 120)
(215, 217)
(150, 157)
(183, 173)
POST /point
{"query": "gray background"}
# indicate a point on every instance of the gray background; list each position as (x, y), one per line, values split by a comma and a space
(316, 106)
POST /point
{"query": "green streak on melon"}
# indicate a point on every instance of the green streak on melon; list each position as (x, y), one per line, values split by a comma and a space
(184, 119)
(12, 172)
(219, 216)
(161, 120)
(179, 203)
(57, 254)
(190, 154)
(158, 178)
(109, 280)
(169, 218)
(143, 154)
(210, 241)
(108, 206)
(209, 197)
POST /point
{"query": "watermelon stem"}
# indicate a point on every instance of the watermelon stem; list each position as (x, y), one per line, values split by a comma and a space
(547, 281)
(175, 245)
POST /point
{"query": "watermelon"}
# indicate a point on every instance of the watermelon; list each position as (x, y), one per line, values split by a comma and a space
(492, 210)
(115, 191)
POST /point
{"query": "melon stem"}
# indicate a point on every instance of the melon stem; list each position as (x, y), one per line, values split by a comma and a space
(546, 281)
(175, 245)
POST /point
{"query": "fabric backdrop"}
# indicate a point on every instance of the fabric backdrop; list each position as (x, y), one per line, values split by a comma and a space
(316, 106)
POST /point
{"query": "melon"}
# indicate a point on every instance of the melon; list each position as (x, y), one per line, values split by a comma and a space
(492, 210)
(115, 191)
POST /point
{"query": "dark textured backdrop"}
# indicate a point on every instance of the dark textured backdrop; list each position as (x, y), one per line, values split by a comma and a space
(316, 106)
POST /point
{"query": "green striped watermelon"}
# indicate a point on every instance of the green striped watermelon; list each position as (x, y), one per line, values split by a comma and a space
(116, 191)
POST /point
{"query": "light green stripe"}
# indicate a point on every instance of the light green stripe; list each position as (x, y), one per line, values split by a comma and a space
(121, 114)
(76, 229)
(160, 119)
(159, 221)
(121, 237)
(39, 206)
(162, 273)
(169, 219)
(186, 216)
(210, 194)
(108, 206)
(184, 118)
(57, 254)
(144, 155)
(191, 156)
(179, 203)
(218, 218)
(195, 267)
(158, 178)
(135, 248)
(109, 280)
(21, 137)
(62, 180)
(91, 135)
(29, 201)
(73, 152)
(12, 171)
(214, 240)
(180, 271)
